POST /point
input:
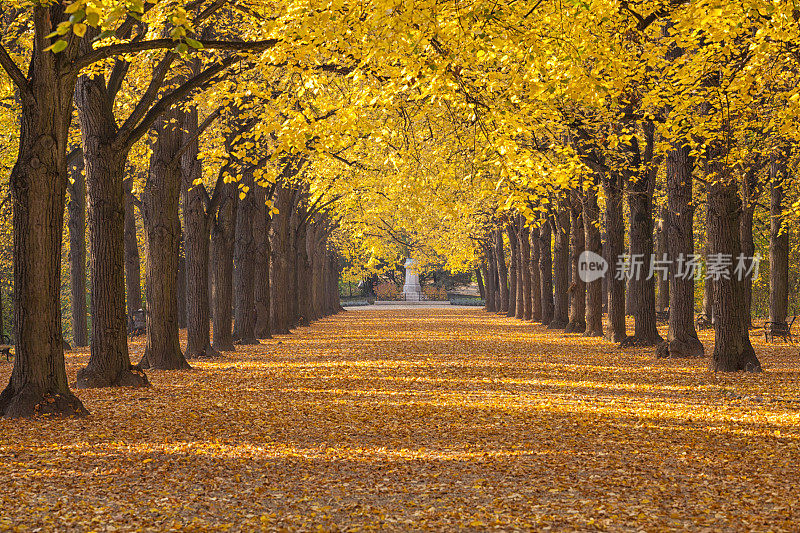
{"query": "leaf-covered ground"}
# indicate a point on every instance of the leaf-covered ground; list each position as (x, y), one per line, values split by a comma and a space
(413, 420)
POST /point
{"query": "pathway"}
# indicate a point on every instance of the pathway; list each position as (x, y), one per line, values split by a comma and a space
(418, 419)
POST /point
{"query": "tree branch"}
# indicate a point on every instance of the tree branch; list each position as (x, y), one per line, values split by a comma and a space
(13, 71)
(174, 97)
(104, 52)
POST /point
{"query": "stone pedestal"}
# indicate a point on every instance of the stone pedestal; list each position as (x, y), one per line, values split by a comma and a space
(412, 291)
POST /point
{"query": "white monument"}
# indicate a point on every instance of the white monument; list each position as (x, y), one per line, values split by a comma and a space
(412, 291)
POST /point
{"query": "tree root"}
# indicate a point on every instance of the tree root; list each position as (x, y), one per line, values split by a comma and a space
(30, 401)
(89, 378)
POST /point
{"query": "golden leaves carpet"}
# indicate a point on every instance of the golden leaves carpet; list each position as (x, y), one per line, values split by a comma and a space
(418, 420)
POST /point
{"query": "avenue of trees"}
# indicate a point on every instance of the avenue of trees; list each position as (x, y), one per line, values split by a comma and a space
(234, 154)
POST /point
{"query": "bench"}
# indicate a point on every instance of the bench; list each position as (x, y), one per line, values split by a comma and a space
(703, 322)
(5, 347)
(137, 324)
(779, 329)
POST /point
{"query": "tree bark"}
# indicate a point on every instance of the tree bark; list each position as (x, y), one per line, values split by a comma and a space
(546, 271)
(197, 241)
(133, 273)
(593, 243)
(613, 185)
(662, 292)
(479, 278)
(732, 349)
(77, 254)
(261, 227)
(535, 293)
(109, 362)
(561, 268)
(513, 274)
(640, 204)
(244, 266)
(750, 192)
(682, 340)
(502, 270)
(318, 269)
(778, 242)
(525, 266)
(181, 281)
(222, 248)
(303, 276)
(38, 383)
(577, 289)
(491, 280)
(280, 284)
(160, 200)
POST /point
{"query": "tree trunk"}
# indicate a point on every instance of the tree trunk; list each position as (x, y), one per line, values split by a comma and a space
(133, 273)
(222, 248)
(197, 241)
(534, 308)
(682, 340)
(160, 200)
(525, 267)
(109, 363)
(640, 204)
(318, 270)
(77, 254)
(615, 247)
(708, 284)
(261, 227)
(280, 285)
(513, 274)
(778, 242)
(293, 299)
(750, 191)
(561, 231)
(181, 281)
(662, 292)
(491, 281)
(577, 289)
(303, 267)
(38, 383)
(732, 349)
(546, 271)
(244, 258)
(479, 278)
(502, 270)
(592, 241)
